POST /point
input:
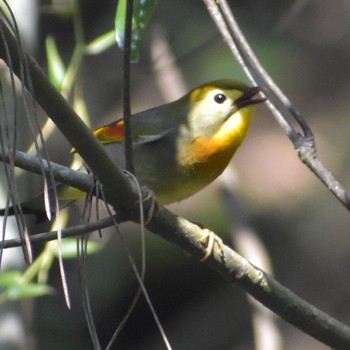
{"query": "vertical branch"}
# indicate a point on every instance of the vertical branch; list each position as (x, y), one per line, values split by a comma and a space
(267, 333)
(129, 161)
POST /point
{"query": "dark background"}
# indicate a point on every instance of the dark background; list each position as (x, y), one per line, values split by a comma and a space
(305, 47)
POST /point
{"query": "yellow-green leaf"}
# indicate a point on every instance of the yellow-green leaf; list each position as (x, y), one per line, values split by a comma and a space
(30, 290)
(56, 68)
(10, 278)
(101, 43)
(142, 14)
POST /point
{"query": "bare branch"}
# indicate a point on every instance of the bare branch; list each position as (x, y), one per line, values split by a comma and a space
(304, 144)
(61, 173)
(67, 232)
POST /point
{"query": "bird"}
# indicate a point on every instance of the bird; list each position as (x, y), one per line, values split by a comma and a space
(182, 146)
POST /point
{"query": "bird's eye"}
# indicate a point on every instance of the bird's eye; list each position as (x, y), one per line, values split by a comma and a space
(220, 98)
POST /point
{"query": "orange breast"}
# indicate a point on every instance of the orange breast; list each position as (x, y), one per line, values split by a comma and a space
(206, 158)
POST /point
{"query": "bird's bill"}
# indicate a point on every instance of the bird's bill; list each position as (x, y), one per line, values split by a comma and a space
(248, 99)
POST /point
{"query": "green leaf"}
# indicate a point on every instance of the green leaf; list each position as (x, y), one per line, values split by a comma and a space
(30, 290)
(101, 43)
(14, 289)
(56, 68)
(10, 278)
(142, 14)
(69, 248)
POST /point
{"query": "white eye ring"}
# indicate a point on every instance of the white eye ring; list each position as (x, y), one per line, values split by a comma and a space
(220, 98)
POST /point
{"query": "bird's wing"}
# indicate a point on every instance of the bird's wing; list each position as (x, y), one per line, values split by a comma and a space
(113, 132)
(146, 127)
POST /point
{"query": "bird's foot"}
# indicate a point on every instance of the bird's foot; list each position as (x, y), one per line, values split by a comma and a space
(209, 241)
(152, 207)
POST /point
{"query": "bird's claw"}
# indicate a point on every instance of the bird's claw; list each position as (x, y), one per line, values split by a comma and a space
(210, 240)
(152, 208)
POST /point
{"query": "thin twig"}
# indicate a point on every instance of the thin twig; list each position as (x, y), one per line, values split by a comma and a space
(9, 168)
(304, 144)
(61, 173)
(140, 279)
(137, 295)
(82, 242)
(129, 156)
(67, 232)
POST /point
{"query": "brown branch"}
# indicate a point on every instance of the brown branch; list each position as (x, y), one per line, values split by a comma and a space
(175, 229)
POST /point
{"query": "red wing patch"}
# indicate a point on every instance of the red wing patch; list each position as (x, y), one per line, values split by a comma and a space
(110, 133)
(113, 132)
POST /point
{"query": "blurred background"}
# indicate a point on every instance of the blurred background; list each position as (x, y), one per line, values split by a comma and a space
(304, 45)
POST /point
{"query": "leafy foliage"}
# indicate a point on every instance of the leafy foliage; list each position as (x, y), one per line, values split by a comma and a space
(142, 14)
